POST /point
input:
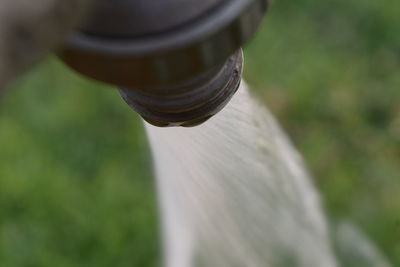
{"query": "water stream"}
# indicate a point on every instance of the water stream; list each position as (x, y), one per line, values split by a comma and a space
(234, 193)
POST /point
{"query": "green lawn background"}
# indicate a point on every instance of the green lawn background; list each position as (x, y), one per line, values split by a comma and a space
(76, 187)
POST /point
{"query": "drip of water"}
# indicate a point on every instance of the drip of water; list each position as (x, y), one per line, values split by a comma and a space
(234, 193)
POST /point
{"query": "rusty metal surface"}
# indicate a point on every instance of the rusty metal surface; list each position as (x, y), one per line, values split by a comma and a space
(167, 58)
(190, 103)
(176, 60)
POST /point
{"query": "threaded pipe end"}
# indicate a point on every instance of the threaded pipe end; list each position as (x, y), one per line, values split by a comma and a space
(190, 103)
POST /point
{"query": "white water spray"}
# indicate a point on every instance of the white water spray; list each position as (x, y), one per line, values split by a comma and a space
(234, 193)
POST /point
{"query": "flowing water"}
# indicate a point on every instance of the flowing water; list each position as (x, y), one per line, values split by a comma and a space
(234, 193)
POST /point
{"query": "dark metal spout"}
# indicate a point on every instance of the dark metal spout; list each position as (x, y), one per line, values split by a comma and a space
(190, 103)
(178, 62)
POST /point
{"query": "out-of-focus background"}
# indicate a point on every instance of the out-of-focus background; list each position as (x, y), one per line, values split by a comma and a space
(76, 183)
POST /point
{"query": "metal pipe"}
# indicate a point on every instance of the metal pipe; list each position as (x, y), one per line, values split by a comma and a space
(30, 29)
(177, 62)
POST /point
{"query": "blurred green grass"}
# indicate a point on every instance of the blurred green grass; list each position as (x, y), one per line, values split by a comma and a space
(76, 187)
(330, 72)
